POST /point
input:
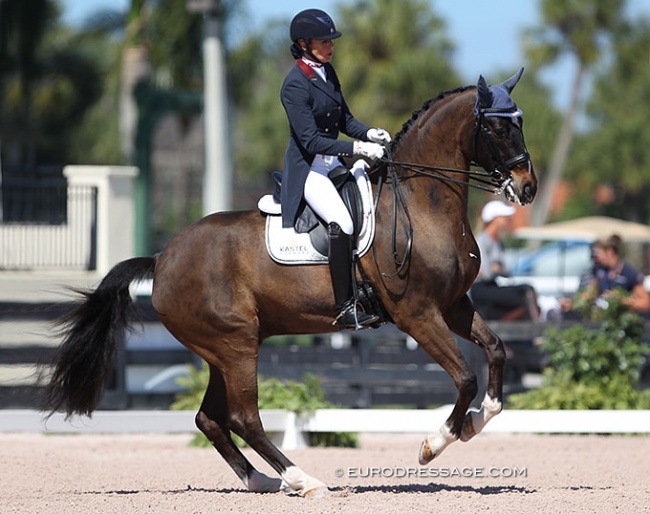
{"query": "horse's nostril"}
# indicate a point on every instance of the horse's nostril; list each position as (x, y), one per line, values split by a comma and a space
(529, 192)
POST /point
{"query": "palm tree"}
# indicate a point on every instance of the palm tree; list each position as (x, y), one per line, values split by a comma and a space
(135, 68)
(390, 72)
(385, 74)
(23, 24)
(578, 28)
(49, 79)
(616, 151)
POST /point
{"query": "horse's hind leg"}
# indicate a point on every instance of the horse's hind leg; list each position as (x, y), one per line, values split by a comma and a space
(212, 420)
(470, 325)
(240, 382)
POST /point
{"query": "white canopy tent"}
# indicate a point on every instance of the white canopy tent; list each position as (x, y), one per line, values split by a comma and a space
(590, 228)
(568, 256)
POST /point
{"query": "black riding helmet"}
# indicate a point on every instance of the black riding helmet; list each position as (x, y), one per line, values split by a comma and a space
(311, 24)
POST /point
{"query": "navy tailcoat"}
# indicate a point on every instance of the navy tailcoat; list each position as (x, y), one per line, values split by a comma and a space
(317, 112)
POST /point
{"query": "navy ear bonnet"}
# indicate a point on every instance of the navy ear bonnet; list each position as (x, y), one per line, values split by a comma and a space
(495, 100)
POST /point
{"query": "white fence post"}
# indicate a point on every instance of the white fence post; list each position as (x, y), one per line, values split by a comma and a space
(115, 209)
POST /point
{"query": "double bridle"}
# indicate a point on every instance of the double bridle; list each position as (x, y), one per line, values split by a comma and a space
(481, 129)
(494, 180)
(485, 178)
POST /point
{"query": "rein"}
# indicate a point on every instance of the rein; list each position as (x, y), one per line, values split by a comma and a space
(487, 180)
(433, 172)
(400, 208)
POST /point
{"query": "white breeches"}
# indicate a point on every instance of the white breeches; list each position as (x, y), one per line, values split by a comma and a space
(321, 195)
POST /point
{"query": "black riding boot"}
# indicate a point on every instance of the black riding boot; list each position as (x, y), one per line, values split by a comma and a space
(349, 317)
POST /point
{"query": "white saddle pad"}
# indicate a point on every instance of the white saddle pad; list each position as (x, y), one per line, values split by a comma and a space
(286, 246)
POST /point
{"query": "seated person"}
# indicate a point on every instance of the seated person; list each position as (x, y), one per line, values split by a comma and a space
(491, 300)
(609, 274)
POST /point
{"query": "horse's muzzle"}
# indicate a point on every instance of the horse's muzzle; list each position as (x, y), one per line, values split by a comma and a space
(522, 186)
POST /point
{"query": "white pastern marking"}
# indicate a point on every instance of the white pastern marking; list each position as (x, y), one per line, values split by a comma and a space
(492, 407)
(475, 420)
(433, 445)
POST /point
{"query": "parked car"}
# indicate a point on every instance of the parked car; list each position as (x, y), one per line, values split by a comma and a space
(552, 268)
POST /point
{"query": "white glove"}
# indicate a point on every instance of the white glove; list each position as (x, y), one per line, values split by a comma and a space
(370, 150)
(378, 135)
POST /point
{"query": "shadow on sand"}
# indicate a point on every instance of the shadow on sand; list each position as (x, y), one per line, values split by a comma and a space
(433, 488)
(392, 489)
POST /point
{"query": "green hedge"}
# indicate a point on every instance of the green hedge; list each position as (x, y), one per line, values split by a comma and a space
(299, 397)
(593, 367)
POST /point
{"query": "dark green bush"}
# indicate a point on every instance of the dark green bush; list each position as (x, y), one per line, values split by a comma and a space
(592, 366)
(299, 397)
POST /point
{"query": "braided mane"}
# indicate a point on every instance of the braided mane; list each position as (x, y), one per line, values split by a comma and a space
(425, 108)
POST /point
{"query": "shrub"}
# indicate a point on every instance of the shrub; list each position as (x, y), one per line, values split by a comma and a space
(273, 393)
(593, 367)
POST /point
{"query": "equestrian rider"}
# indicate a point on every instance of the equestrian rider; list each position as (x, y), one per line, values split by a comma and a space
(317, 112)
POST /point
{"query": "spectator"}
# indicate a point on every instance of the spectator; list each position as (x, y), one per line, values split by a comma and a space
(612, 273)
(491, 300)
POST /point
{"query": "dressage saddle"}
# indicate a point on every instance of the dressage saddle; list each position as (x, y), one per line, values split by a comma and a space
(309, 222)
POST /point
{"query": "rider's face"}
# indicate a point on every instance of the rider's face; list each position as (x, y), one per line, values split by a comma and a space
(322, 49)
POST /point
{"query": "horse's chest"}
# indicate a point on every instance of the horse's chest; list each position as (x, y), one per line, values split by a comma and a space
(467, 261)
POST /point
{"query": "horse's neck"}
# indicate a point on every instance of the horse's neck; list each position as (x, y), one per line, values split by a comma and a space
(441, 138)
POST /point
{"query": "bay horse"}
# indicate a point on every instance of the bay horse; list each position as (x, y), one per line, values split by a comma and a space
(218, 292)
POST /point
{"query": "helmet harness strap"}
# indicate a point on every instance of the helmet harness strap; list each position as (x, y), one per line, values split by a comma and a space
(308, 51)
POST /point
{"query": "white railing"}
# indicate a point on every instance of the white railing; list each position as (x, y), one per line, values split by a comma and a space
(290, 430)
(46, 246)
(97, 233)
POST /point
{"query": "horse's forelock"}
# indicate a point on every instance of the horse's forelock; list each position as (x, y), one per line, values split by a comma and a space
(429, 104)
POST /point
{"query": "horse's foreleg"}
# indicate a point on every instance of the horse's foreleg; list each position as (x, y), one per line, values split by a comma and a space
(441, 346)
(244, 420)
(212, 421)
(477, 331)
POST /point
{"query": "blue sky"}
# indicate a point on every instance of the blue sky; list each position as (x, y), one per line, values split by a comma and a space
(486, 33)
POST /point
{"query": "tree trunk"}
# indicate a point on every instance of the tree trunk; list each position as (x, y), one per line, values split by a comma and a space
(135, 67)
(541, 207)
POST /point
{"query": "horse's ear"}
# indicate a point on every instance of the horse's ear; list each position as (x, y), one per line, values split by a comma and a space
(512, 81)
(483, 93)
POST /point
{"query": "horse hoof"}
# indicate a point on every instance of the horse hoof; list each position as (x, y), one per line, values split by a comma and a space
(426, 453)
(432, 446)
(297, 482)
(317, 492)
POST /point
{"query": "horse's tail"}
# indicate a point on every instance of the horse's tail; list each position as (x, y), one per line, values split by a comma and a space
(92, 332)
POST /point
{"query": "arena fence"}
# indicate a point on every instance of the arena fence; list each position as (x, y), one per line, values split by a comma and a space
(290, 430)
(48, 227)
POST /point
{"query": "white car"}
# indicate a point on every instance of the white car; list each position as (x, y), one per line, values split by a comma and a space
(553, 268)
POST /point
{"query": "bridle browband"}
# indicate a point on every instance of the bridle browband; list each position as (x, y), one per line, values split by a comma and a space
(494, 177)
